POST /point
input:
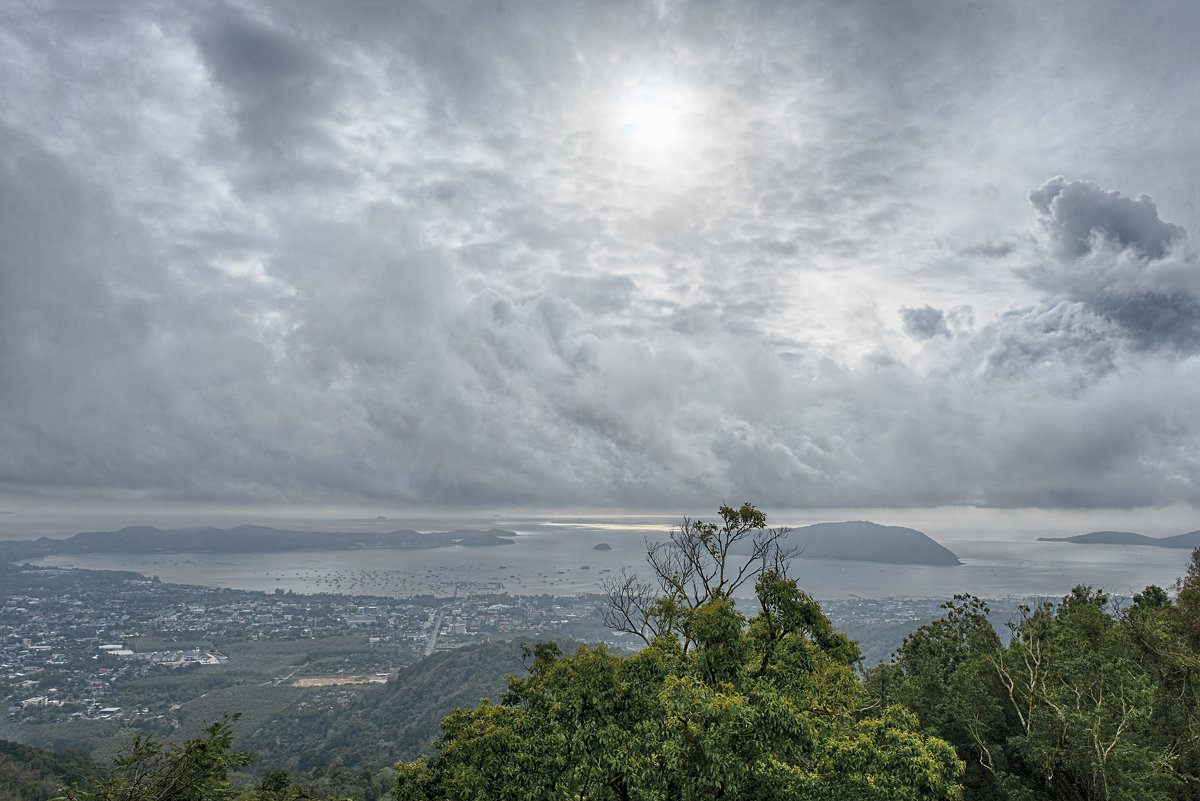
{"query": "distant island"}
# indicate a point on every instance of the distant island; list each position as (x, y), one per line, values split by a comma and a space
(862, 541)
(602, 546)
(243, 539)
(1188, 540)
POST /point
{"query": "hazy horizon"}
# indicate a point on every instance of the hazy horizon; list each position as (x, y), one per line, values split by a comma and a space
(941, 524)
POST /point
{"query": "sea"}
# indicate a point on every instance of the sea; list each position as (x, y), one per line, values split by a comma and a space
(558, 555)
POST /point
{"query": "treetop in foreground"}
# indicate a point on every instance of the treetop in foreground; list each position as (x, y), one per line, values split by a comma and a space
(717, 705)
(1088, 699)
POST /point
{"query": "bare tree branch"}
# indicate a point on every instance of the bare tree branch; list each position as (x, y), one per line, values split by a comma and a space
(698, 562)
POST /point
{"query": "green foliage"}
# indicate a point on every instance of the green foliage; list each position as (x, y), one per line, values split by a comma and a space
(32, 774)
(196, 770)
(1083, 702)
(701, 562)
(716, 706)
(1188, 600)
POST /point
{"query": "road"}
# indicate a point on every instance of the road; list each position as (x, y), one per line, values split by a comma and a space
(437, 622)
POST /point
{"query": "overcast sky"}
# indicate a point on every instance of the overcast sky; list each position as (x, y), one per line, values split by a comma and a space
(602, 254)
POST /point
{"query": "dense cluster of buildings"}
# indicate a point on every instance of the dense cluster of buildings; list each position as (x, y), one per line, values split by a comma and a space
(68, 638)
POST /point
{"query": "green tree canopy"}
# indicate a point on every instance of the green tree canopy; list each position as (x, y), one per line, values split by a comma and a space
(1084, 701)
(196, 770)
(717, 705)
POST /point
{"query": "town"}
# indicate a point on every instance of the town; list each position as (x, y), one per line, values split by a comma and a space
(79, 644)
(69, 639)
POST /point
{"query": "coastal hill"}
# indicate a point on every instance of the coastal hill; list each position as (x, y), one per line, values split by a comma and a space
(869, 542)
(1188, 540)
(243, 539)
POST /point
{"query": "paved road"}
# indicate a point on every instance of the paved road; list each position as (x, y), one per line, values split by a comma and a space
(437, 623)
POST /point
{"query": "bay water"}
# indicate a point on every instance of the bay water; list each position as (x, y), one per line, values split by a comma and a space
(562, 559)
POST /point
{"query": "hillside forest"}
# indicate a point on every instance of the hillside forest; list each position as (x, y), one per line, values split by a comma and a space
(1086, 698)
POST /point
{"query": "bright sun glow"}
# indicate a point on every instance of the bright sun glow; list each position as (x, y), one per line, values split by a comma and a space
(651, 118)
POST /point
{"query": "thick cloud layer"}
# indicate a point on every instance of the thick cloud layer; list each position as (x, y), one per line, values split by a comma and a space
(1081, 218)
(599, 254)
(1115, 255)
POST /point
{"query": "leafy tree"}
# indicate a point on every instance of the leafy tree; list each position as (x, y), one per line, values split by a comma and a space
(34, 774)
(1188, 600)
(700, 561)
(1078, 707)
(1161, 638)
(196, 770)
(928, 675)
(1083, 702)
(716, 705)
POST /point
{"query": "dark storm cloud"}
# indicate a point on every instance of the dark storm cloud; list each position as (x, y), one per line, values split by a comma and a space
(439, 253)
(925, 322)
(280, 87)
(1114, 254)
(1081, 217)
(1156, 318)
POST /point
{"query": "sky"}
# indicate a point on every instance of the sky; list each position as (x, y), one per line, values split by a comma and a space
(652, 255)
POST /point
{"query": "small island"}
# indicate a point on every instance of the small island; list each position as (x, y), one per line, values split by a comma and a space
(1188, 540)
(602, 546)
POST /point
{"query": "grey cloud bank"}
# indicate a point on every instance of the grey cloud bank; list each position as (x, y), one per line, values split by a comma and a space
(925, 322)
(615, 255)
